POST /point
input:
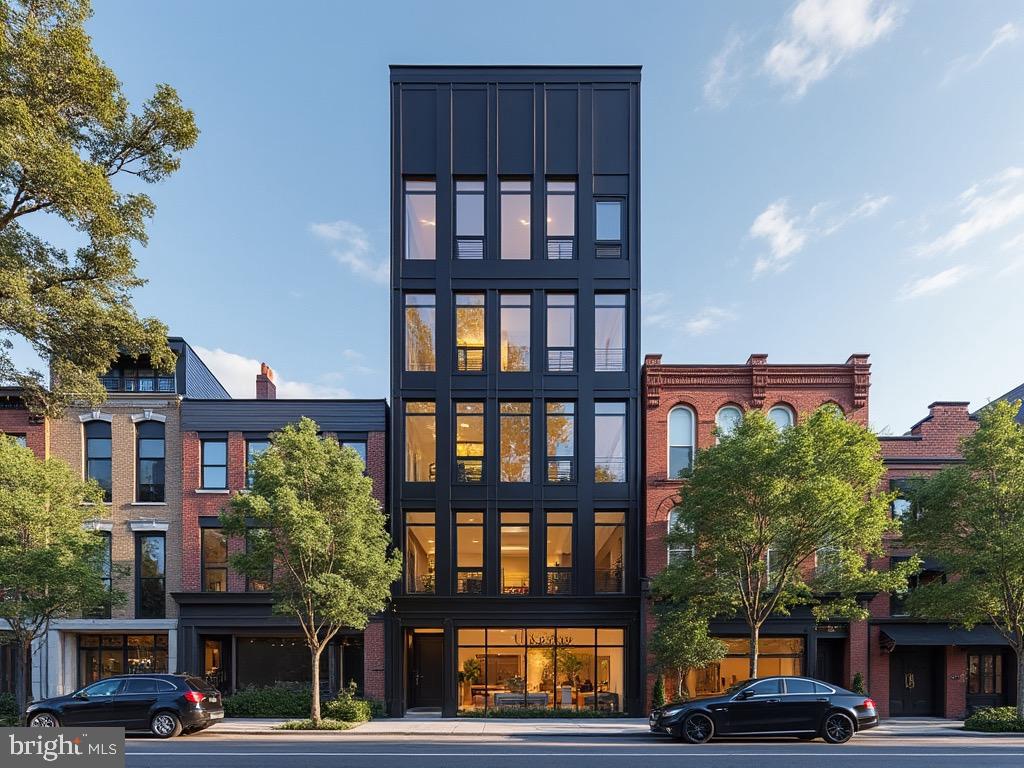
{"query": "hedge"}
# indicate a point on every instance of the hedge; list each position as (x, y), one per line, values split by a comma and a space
(995, 720)
(294, 700)
(8, 710)
(309, 725)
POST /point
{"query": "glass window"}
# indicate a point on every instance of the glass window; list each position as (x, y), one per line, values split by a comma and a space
(150, 451)
(561, 219)
(103, 689)
(609, 442)
(728, 420)
(98, 455)
(515, 553)
(150, 586)
(514, 421)
(420, 552)
(771, 687)
(608, 221)
(103, 611)
(420, 219)
(781, 416)
(263, 582)
(469, 553)
(560, 432)
(515, 331)
(420, 314)
(561, 332)
(21, 440)
(515, 219)
(901, 507)
(253, 448)
(610, 332)
(420, 442)
(796, 685)
(558, 536)
(469, 331)
(469, 442)
(609, 551)
(677, 553)
(215, 463)
(985, 673)
(469, 219)
(359, 446)
(215, 560)
(680, 441)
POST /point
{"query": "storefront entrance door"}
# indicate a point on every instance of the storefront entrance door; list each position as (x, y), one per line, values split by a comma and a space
(914, 681)
(425, 670)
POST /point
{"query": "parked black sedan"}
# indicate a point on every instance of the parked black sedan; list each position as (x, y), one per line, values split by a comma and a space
(770, 706)
(166, 705)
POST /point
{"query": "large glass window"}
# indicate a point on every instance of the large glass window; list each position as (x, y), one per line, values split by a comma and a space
(253, 448)
(469, 219)
(469, 331)
(561, 332)
(902, 507)
(150, 466)
(515, 331)
(420, 314)
(561, 219)
(469, 553)
(680, 441)
(609, 442)
(101, 656)
(262, 582)
(420, 552)
(514, 423)
(420, 442)
(610, 332)
(515, 553)
(515, 219)
(728, 420)
(560, 434)
(558, 536)
(103, 611)
(469, 442)
(781, 416)
(359, 446)
(150, 570)
(776, 656)
(215, 560)
(608, 227)
(677, 553)
(985, 673)
(215, 463)
(609, 551)
(420, 219)
(98, 455)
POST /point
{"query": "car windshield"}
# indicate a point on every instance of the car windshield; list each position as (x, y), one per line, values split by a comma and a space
(736, 687)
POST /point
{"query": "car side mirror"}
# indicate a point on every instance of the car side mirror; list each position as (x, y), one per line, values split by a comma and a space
(81, 695)
(747, 693)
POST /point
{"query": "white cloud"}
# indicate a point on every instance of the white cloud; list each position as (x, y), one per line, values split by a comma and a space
(785, 238)
(1004, 35)
(708, 319)
(932, 284)
(725, 71)
(350, 245)
(822, 33)
(865, 209)
(660, 310)
(238, 375)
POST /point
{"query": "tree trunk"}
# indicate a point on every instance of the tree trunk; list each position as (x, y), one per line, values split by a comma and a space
(755, 633)
(679, 684)
(314, 709)
(22, 676)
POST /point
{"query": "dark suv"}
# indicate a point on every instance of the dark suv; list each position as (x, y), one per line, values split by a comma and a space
(166, 705)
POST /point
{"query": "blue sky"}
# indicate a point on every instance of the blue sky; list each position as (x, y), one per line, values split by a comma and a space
(819, 178)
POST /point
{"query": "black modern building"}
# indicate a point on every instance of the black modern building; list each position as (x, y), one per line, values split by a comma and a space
(515, 463)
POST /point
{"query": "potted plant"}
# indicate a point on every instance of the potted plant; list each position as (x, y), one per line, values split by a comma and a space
(468, 676)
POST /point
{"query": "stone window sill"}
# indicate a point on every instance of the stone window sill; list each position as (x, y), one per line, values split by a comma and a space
(213, 490)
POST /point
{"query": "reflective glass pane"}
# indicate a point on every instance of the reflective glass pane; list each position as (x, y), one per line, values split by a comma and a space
(515, 442)
(420, 225)
(561, 215)
(420, 315)
(608, 220)
(420, 443)
(515, 332)
(515, 223)
(469, 212)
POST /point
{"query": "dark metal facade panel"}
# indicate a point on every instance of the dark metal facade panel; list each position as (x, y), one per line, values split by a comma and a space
(270, 415)
(941, 634)
(198, 380)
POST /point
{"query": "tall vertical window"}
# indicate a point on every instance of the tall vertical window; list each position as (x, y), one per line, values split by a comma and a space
(560, 428)
(215, 463)
(610, 442)
(902, 508)
(558, 545)
(256, 538)
(150, 570)
(469, 442)
(253, 448)
(98, 455)
(610, 332)
(514, 424)
(515, 331)
(609, 551)
(420, 552)
(21, 440)
(103, 611)
(469, 219)
(515, 553)
(469, 553)
(561, 331)
(149, 479)
(420, 441)
(677, 553)
(215, 560)
(420, 314)
(608, 228)
(728, 420)
(781, 416)
(359, 446)
(420, 219)
(680, 441)
(515, 219)
(469, 331)
(561, 219)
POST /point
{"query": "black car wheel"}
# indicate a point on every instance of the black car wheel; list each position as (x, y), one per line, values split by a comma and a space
(165, 725)
(697, 728)
(44, 720)
(838, 728)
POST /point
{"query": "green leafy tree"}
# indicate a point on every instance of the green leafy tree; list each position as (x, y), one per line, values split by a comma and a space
(51, 567)
(972, 521)
(784, 518)
(680, 642)
(325, 544)
(66, 135)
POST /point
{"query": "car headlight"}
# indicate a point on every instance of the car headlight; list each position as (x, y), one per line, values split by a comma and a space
(670, 712)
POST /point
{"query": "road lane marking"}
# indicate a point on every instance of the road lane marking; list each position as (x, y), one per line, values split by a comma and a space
(511, 754)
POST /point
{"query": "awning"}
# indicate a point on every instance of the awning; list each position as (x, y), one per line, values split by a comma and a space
(940, 634)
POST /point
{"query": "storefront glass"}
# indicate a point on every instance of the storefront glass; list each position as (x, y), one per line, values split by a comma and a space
(101, 656)
(776, 656)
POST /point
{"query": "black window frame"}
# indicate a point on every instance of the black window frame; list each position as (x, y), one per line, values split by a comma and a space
(140, 613)
(512, 192)
(250, 580)
(509, 415)
(557, 460)
(608, 462)
(205, 566)
(204, 463)
(508, 300)
(470, 359)
(622, 569)
(363, 453)
(605, 359)
(560, 359)
(563, 577)
(151, 495)
(605, 248)
(103, 611)
(406, 306)
(93, 426)
(463, 466)
(469, 247)
(466, 575)
(561, 247)
(249, 457)
(406, 194)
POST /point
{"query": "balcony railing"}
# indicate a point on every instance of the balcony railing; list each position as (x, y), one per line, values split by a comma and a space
(610, 359)
(469, 470)
(138, 383)
(561, 359)
(469, 248)
(608, 580)
(469, 358)
(515, 584)
(470, 582)
(560, 248)
(561, 470)
(559, 581)
(421, 584)
(609, 469)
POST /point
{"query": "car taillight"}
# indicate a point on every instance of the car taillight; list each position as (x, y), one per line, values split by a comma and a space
(194, 697)
(869, 703)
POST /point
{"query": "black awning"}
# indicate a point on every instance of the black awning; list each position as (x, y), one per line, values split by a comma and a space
(940, 634)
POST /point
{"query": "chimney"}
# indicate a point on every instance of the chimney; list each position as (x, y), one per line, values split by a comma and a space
(266, 389)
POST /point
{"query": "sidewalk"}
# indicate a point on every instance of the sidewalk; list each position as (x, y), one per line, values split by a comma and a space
(438, 726)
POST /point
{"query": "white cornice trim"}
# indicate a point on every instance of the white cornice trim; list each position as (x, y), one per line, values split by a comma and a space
(147, 525)
(95, 416)
(147, 415)
(98, 525)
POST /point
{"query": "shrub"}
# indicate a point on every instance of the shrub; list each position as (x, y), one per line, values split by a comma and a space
(8, 710)
(995, 720)
(309, 725)
(530, 713)
(347, 708)
(857, 686)
(658, 694)
(281, 700)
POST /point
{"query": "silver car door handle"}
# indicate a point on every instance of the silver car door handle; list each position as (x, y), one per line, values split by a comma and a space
(773, 701)
(822, 698)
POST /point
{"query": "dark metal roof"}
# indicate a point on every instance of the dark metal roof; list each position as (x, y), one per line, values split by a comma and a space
(941, 634)
(558, 73)
(270, 415)
(1017, 393)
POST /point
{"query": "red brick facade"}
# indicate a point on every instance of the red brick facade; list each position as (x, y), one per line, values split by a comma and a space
(16, 420)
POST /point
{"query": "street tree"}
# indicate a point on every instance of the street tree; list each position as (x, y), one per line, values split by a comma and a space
(971, 520)
(67, 135)
(681, 642)
(324, 539)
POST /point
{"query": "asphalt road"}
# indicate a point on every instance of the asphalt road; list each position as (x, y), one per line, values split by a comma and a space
(351, 751)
